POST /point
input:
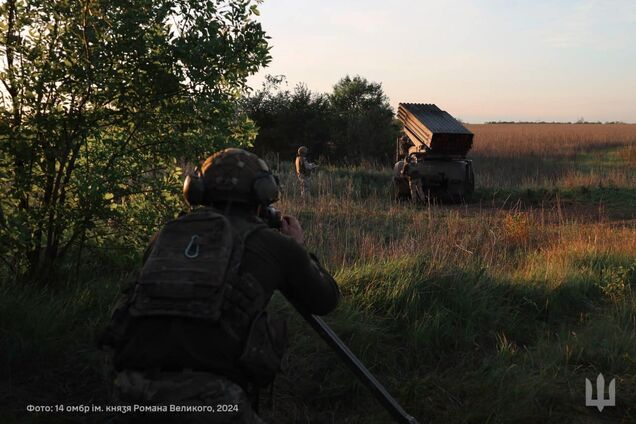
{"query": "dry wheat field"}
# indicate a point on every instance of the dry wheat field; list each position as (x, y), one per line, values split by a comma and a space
(555, 155)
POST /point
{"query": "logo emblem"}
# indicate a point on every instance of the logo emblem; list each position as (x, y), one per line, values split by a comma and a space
(600, 402)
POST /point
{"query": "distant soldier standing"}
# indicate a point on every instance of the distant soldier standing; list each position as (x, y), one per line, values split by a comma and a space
(404, 143)
(304, 169)
(415, 179)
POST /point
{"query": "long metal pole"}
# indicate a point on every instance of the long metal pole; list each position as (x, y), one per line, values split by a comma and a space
(358, 368)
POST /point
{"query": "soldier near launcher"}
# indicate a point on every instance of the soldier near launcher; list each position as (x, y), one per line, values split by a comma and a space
(411, 172)
(431, 156)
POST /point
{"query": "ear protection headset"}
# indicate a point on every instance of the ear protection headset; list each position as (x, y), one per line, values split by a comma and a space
(194, 188)
(265, 188)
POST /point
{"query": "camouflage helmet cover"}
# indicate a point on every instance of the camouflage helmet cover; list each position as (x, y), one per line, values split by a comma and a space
(302, 150)
(238, 175)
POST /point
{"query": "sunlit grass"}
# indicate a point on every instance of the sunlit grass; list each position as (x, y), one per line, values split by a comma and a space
(492, 311)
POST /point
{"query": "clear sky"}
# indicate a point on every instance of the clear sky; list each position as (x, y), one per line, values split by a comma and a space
(479, 60)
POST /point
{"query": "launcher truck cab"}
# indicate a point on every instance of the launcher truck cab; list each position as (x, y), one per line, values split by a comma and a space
(431, 155)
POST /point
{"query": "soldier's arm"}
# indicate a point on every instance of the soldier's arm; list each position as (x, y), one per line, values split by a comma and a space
(307, 284)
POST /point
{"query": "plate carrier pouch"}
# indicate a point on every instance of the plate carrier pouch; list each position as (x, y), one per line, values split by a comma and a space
(193, 271)
(264, 349)
(190, 267)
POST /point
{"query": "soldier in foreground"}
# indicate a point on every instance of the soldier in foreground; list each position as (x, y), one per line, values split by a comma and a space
(304, 169)
(192, 331)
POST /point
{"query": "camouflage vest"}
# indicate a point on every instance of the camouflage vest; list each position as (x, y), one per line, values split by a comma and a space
(301, 166)
(193, 261)
(193, 271)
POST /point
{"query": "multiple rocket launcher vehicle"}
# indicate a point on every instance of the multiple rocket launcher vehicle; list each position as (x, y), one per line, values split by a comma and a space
(434, 147)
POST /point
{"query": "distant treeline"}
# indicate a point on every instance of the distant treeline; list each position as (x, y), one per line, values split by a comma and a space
(353, 122)
(580, 121)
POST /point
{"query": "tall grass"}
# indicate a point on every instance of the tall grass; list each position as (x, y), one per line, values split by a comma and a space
(493, 311)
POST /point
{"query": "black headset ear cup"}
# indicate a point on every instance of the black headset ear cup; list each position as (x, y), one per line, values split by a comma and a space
(266, 189)
(194, 189)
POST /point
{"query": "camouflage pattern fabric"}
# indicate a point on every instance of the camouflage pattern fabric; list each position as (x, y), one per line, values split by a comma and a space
(415, 182)
(192, 391)
(304, 169)
(305, 185)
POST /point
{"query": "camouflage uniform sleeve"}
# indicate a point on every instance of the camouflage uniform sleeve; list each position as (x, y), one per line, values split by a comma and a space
(308, 285)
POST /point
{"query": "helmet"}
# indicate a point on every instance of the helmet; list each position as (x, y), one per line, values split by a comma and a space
(232, 175)
(302, 151)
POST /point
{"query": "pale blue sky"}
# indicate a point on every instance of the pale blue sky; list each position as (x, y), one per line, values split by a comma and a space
(479, 60)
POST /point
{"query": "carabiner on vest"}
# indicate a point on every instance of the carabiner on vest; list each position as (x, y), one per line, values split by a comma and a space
(192, 251)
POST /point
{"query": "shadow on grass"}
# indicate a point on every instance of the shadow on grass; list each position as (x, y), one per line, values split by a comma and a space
(462, 345)
(618, 202)
(465, 346)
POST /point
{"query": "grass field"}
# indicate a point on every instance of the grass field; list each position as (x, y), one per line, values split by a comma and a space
(492, 311)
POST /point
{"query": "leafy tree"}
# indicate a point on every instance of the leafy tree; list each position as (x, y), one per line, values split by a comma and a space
(355, 122)
(363, 123)
(288, 119)
(99, 103)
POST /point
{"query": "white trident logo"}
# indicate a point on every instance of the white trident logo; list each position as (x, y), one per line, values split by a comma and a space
(600, 402)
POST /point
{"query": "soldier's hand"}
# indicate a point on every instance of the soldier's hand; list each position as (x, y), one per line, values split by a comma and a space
(292, 228)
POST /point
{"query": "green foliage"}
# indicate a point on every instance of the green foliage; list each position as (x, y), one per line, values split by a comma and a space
(616, 282)
(354, 122)
(100, 103)
(287, 119)
(363, 124)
